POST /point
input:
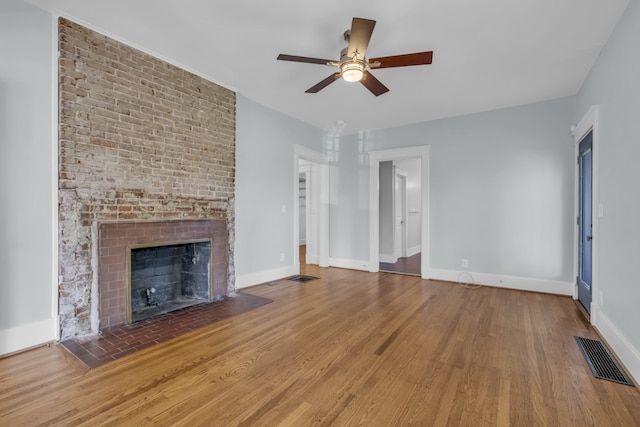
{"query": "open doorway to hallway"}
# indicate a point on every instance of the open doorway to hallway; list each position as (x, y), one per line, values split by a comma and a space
(420, 213)
(400, 224)
(311, 206)
(305, 225)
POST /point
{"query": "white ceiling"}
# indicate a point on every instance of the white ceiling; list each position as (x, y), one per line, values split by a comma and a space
(487, 54)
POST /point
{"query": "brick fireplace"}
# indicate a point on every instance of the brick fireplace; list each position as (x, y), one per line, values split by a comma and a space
(146, 155)
(117, 239)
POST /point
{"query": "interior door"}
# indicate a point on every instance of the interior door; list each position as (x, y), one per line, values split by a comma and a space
(585, 219)
(400, 220)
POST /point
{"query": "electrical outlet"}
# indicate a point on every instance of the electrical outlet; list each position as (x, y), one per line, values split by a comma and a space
(465, 263)
(281, 257)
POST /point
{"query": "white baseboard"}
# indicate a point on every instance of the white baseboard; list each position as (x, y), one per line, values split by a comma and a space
(259, 277)
(388, 258)
(626, 352)
(414, 250)
(26, 336)
(351, 264)
(509, 282)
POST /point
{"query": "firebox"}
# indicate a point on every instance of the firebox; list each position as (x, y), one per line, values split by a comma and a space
(165, 277)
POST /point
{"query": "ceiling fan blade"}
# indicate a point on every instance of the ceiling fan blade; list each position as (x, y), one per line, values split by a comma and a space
(326, 82)
(373, 84)
(420, 58)
(293, 58)
(361, 30)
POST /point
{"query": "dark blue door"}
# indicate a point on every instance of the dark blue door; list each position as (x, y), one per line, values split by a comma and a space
(585, 219)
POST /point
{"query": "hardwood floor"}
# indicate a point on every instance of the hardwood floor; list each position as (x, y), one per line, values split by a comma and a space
(408, 265)
(352, 348)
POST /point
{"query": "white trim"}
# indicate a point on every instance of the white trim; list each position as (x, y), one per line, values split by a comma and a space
(502, 281)
(388, 258)
(414, 250)
(588, 123)
(265, 276)
(27, 336)
(143, 49)
(320, 163)
(626, 352)
(351, 264)
(375, 157)
(55, 143)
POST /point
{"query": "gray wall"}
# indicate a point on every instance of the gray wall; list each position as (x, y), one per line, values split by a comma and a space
(614, 84)
(501, 190)
(264, 183)
(349, 198)
(26, 172)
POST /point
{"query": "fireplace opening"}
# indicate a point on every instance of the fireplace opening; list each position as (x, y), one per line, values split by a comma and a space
(168, 276)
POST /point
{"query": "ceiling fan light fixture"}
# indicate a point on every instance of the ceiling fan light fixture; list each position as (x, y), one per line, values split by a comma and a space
(352, 71)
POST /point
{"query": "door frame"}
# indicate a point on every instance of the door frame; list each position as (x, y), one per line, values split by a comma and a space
(375, 157)
(589, 123)
(319, 199)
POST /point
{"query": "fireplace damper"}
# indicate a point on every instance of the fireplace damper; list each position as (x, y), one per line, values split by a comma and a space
(164, 277)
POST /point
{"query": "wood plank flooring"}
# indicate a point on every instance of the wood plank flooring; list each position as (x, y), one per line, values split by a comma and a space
(352, 348)
(121, 341)
(409, 265)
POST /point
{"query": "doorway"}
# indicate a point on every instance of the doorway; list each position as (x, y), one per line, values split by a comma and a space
(308, 227)
(588, 211)
(585, 220)
(311, 208)
(415, 248)
(395, 177)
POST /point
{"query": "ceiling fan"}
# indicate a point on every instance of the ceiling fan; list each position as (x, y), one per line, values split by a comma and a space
(353, 64)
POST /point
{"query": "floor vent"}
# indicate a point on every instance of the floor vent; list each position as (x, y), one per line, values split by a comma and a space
(302, 278)
(601, 362)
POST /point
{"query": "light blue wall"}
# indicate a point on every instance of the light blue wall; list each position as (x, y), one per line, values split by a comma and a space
(501, 190)
(349, 198)
(26, 165)
(264, 183)
(614, 84)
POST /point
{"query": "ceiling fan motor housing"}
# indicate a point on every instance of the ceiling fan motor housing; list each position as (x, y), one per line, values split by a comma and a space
(351, 69)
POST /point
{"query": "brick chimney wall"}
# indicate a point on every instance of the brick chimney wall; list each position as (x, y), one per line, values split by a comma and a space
(140, 140)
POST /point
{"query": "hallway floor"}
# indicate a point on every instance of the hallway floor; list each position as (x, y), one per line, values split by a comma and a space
(409, 265)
